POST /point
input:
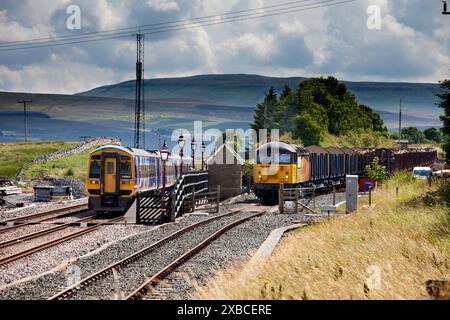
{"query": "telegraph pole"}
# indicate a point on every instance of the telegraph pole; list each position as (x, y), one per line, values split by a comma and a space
(25, 116)
(139, 108)
(400, 123)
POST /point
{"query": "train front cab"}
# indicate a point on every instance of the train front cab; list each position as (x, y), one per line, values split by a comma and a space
(290, 169)
(110, 179)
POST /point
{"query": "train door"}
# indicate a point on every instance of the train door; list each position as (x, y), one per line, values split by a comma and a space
(110, 175)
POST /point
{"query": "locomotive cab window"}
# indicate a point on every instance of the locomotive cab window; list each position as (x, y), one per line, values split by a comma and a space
(284, 157)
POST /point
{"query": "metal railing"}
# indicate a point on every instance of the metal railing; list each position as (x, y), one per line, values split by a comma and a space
(188, 187)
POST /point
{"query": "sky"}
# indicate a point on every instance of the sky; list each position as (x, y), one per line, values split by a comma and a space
(410, 42)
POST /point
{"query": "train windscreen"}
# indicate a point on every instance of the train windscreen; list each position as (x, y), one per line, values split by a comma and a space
(95, 169)
(278, 158)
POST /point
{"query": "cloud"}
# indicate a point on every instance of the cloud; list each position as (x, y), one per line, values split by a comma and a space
(412, 45)
(65, 76)
(163, 5)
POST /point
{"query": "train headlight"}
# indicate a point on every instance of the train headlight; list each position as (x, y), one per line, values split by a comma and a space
(287, 175)
(260, 177)
(94, 182)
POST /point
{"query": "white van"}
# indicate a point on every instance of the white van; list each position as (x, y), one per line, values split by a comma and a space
(422, 172)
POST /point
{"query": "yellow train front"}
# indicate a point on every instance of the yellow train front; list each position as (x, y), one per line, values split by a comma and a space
(279, 163)
(116, 174)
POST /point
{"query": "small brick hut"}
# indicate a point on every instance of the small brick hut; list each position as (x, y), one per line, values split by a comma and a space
(226, 168)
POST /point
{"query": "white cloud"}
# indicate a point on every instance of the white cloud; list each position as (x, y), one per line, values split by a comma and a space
(163, 5)
(333, 40)
(55, 77)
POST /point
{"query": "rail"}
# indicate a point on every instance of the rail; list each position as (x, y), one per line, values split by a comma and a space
(163, 273)
(55, 242)
(90, 280)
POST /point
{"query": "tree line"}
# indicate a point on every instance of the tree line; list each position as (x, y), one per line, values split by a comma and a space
(414, 135)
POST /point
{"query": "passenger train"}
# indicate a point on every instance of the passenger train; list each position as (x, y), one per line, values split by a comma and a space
(295, 166)
(117, 174)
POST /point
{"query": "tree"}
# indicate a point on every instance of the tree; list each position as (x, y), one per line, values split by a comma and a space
(316, 107)
(343, 111)
(413, 135)
(445, 118)
(265, 111)
(433, 134)
(376, 171)
(309, 129)
(286, 92)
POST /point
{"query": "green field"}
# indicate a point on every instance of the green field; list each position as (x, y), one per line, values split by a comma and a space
(14, 155)
(74, 166)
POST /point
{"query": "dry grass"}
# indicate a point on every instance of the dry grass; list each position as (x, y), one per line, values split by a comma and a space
(407, 238)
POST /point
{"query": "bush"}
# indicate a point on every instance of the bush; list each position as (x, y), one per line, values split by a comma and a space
(70, 173)
(376, 171)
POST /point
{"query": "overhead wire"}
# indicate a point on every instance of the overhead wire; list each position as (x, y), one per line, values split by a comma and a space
(152, 31)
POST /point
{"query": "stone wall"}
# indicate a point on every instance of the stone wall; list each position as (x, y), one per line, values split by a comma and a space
(228, 176)
(83, 146)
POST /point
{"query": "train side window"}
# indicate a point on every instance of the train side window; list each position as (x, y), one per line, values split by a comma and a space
(299, 162)
(152, 168)
(95, 170)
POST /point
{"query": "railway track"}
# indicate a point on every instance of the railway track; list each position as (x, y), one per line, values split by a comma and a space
(57, 241)
(49, 215)
(145, 268)
(38, 234)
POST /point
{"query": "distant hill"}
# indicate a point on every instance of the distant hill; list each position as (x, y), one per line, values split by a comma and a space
(247, 90)
(220, 101)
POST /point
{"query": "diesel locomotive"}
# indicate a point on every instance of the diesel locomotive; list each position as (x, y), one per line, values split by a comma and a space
(296, 166)
(117, 174)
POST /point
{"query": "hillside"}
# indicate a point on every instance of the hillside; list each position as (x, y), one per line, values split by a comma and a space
(14, 155)
(248, 90)
(221, 101)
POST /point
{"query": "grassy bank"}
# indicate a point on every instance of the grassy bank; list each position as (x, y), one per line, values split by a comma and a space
(406, 239)
(74, 166)
(14, 155)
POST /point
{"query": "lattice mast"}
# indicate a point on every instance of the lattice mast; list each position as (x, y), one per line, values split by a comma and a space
(139, 107)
